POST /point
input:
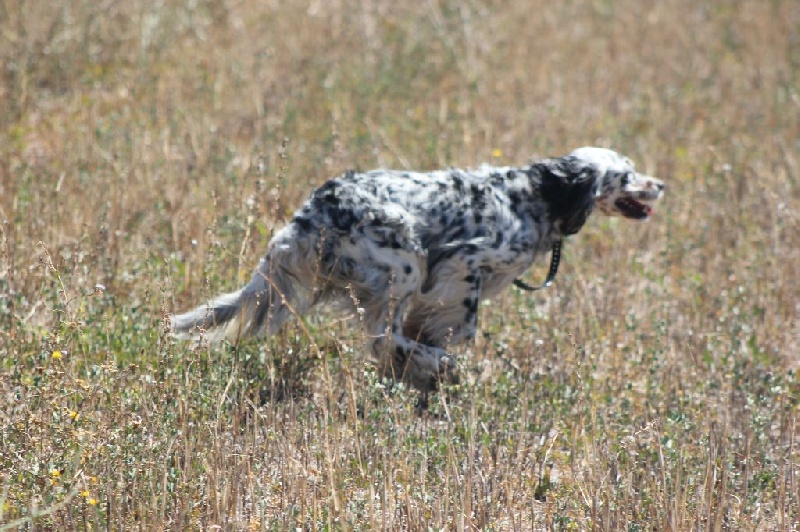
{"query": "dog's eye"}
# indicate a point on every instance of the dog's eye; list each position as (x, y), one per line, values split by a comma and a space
(625, 179)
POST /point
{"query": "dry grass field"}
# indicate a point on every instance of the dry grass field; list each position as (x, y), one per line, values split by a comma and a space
(149, 148)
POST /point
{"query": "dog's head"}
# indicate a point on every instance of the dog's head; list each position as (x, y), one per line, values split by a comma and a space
(621, 191)
(595, 178)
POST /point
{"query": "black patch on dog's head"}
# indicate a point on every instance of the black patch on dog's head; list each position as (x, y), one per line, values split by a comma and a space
(568, 185)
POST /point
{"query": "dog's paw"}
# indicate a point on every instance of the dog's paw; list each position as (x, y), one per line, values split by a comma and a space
(429, 369)
(448, 370)
(446, 373)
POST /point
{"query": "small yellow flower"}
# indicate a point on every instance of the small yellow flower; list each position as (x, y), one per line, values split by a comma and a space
(55, 473)
(84, 494)
(92, 501)
(73, 414)
(497, 152)
(57, 355)
(94, 480)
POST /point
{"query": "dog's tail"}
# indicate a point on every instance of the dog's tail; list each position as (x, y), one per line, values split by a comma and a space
(271, 297)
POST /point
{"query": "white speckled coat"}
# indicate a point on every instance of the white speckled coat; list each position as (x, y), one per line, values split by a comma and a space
(418, 251)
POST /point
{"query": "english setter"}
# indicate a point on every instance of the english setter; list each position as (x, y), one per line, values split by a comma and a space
(414, 253)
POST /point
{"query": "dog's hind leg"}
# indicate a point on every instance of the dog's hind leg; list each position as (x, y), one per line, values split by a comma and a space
(369, 255)
(383, 283)
(399, 357)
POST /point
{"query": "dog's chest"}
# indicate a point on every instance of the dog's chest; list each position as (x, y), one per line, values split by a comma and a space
(521, 251)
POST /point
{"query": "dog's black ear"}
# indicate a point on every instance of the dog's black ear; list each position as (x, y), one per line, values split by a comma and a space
(568, 186)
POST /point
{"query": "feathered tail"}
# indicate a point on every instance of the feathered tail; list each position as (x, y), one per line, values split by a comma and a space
(263, 305)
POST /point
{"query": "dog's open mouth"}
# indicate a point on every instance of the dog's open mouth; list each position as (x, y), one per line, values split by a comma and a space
(630, 208)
